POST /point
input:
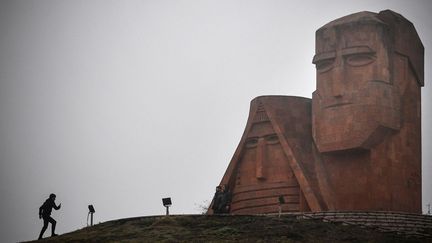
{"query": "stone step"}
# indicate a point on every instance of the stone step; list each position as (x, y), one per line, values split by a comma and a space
(393, 222)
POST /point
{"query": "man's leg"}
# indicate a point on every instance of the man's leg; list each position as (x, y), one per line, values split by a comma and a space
(53, 225)
(45, 226)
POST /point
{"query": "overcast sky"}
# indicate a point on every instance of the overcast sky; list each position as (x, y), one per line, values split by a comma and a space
(121, 103)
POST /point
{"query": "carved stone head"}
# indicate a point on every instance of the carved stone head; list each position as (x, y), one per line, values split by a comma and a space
(263, 159)
(268, 161)
(358, 92)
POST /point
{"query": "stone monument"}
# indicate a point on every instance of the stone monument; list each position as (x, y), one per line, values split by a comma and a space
(357, 144)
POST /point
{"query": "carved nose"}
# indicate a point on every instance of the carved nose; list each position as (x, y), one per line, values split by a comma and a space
(337, 82)
(260, 154)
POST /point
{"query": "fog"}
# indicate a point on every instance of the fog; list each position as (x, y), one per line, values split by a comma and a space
(120, 103)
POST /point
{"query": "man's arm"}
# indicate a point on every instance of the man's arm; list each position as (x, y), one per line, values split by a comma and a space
(57, 207)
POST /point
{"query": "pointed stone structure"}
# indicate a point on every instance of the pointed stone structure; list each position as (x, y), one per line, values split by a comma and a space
(274, 158)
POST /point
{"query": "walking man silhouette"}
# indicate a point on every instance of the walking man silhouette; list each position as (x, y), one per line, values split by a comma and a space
(45, 214)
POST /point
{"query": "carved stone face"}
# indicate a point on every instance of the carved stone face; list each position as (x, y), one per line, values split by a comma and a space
(355, 103)
(263, 160)
(263, 167)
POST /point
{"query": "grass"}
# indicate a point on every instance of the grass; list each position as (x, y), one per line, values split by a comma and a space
(205, 228)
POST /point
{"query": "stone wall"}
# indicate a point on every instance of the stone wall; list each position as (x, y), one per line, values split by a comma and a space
(404, 224)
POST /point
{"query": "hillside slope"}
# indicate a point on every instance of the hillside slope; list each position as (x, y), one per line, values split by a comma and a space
(203, 228)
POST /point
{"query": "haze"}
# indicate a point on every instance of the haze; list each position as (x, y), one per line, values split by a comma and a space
(120, 103)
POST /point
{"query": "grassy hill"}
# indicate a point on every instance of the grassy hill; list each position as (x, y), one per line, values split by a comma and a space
(203, 228)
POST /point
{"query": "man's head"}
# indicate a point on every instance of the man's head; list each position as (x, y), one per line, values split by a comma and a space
(357, 97)
(52, 196)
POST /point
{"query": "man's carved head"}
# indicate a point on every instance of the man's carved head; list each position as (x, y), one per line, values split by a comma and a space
(358, 93)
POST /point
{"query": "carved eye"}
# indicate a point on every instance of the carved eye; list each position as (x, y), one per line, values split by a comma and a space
(272, 139)
(324, 65)
(360, 59)
(251, 142)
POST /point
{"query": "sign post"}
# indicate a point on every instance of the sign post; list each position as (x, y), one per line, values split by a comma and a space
(91, 212)
(167, 203)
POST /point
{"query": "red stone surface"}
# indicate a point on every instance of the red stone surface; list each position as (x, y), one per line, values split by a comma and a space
(357, 144)
(274, 158)
(366, 113)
